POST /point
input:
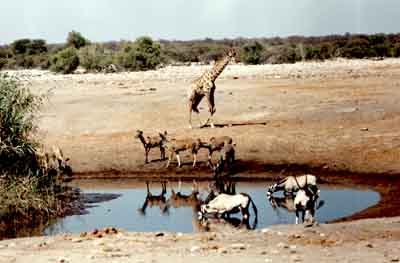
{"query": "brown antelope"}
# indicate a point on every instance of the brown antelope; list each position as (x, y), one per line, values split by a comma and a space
(216, 144)
(226, 158)
(175, 146)
(151, 142)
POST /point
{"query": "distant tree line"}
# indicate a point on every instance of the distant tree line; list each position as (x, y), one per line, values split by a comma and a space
(145, 53)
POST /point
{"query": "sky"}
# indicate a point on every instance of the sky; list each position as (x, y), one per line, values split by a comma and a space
(105, 20)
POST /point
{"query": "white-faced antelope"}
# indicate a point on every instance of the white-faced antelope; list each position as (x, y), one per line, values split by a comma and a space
(151, 142)
(225, 204)
(291, 184)
(305, 203)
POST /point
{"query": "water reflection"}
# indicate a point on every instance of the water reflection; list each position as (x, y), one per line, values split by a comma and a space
(183, 204)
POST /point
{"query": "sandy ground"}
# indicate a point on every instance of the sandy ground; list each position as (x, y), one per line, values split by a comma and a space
(337, 119)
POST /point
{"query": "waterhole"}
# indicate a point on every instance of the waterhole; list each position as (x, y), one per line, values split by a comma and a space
(126, 211)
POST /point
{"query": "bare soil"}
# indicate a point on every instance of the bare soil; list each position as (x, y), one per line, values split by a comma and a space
(337, 119)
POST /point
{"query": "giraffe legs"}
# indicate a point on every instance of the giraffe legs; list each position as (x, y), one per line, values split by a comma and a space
(194, 102)
(211, 106)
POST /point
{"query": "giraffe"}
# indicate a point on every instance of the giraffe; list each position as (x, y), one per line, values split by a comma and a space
(205, 86)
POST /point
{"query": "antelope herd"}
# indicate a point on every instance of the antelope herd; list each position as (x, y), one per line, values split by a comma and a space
(300, 192)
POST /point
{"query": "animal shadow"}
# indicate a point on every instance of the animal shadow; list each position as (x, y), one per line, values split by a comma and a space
(223, 125)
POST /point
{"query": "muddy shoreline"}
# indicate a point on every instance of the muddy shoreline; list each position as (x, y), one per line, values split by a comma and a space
(384, 184)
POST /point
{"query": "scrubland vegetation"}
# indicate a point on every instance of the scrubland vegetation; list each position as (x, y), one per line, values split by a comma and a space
(145, 53)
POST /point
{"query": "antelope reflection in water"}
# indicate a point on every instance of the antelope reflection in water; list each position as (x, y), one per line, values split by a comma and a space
(155, 200)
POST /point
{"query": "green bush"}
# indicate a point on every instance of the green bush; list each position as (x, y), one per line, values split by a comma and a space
(66, 61)
(143, 54)
(76, 40)
(252, 53)
(20, 46)
(18, 107)
(94, 58)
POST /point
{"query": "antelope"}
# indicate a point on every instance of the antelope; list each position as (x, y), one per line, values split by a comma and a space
(226, 158)
(305, 203)
(151, 142)
(155, 200)
(225, 204)
(216, 144)
(175, 146)
(52, 162)
(291, 184)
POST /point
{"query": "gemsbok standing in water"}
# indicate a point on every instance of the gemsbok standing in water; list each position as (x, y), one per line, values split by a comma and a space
(292, 184)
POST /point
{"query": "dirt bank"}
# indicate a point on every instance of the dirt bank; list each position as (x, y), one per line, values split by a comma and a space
(376, 240)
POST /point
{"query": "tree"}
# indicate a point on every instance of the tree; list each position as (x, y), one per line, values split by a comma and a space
(66, 61)
(20, 46)
(76, 40)
(251, 53)
(143, 54)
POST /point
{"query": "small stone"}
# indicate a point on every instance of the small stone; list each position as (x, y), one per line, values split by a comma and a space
(364, 129)
(322, 235)
(282, 245)
(274, 251)
(179, 234)
(194, 249)
(369, 245)
(396, 259)
(238, 246)
(77, 240)
(296, 258)
(159, 234)
(222, 251)
(266, 230)
(62, 260)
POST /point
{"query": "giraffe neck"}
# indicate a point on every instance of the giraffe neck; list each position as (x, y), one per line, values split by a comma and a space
(219, 67)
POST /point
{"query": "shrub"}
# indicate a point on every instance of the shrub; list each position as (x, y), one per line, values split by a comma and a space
(76, 40)
(143, 54)
(252, 53)
(18, 107)
(20, 46)
(94, 58)
(66, 61)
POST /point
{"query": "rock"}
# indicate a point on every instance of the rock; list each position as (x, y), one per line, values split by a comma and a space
(282, 245)
(265, 230)
(62, 260)
(194, 249)
(159, 234)
(364, 129)
(238, 246)
(274, 251)
(77, 240)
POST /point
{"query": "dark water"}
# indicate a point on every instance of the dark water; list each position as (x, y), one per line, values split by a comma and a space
(123, 213)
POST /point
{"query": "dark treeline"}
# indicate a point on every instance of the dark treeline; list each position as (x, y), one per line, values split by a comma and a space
(144, 53)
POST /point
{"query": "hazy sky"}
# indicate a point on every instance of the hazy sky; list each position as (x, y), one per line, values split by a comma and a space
(103, 20)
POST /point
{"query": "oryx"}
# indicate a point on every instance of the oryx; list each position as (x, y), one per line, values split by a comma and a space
(291, 184)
